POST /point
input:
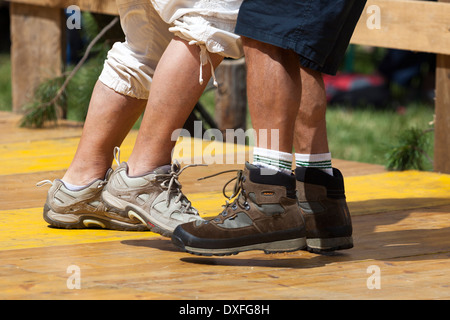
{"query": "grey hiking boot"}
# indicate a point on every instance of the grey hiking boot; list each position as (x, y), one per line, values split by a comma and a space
(155, 198)
(84, 208)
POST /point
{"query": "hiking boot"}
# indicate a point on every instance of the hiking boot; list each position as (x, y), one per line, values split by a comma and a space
(154, 198)
(84, 208)
(264, 216)
(321, 198)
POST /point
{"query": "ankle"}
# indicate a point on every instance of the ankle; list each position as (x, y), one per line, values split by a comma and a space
(321, 161)
(274, 178)
(273, 159)
(138, 171)
(141, 165)
(82, 178)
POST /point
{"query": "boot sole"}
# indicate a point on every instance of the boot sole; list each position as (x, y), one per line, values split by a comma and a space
(318, 245)
(126, 208)
(218, 247)
(87, 221)
(268, 248)
(134, 211)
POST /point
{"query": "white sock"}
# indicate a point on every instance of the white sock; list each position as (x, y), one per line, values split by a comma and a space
(73, 187)
(320, 161)
(278, 160)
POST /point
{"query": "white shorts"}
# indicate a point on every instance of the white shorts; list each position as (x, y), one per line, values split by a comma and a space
(149, 25)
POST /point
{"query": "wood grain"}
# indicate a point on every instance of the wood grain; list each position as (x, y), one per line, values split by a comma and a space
(400, 220)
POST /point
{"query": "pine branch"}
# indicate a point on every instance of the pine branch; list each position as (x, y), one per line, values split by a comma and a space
(409, 153)
(31, 116)
(83, 59)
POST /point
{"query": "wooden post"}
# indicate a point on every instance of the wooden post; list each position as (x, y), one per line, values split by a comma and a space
(442, 111)
(231, 96)
(36, 49)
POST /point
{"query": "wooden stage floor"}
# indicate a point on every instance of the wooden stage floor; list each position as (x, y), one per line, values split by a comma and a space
(400, 219)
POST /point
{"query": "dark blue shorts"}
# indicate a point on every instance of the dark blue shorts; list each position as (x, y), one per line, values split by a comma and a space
(318, 30)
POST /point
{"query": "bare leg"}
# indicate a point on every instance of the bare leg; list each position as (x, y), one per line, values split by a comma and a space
(175, 90)
(110, 117)
(310, 135)
(274, 91)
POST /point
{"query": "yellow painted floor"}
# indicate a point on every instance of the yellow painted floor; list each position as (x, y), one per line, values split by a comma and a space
(401, 225)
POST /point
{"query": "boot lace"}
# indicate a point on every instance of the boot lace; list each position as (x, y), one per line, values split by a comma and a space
(238, 190)
(170, 182)
(173, 186)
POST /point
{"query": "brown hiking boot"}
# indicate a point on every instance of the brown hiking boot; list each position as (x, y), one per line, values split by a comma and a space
(321, 198)
(264, 216)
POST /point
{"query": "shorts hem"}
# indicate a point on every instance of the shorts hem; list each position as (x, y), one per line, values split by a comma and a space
(121, 86)
(306, 54)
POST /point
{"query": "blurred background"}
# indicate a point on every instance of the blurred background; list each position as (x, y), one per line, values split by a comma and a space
(380, 101)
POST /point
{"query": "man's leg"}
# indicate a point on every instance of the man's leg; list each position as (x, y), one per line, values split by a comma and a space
(174, 94)
(110, 117)
(264, 215)
(310, 135)
(274, 91)
(147, 187)
(75, 201)
(320, 188)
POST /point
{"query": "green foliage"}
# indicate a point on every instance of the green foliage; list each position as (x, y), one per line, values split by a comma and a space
(409, 153)
(43, 109)
(80, 87)
(370, 134)
(379, 136)
(73, 101)
(5, 82)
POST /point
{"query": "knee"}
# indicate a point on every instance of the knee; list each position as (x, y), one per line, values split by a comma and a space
(254, 47)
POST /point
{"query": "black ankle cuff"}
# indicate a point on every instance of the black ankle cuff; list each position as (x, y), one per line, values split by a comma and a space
(334, 184)
(277, 178)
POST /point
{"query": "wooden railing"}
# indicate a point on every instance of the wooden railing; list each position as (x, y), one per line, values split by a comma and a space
(37, 27)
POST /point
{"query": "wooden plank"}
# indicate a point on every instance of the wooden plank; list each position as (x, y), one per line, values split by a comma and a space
(36, 49)
(22, 202)
(402, 227)
(409, 247)
(38, 234)
(442, 112)
(31, 144)
(20, 191)
(408, 25)
(97, 6)
(10, 132)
